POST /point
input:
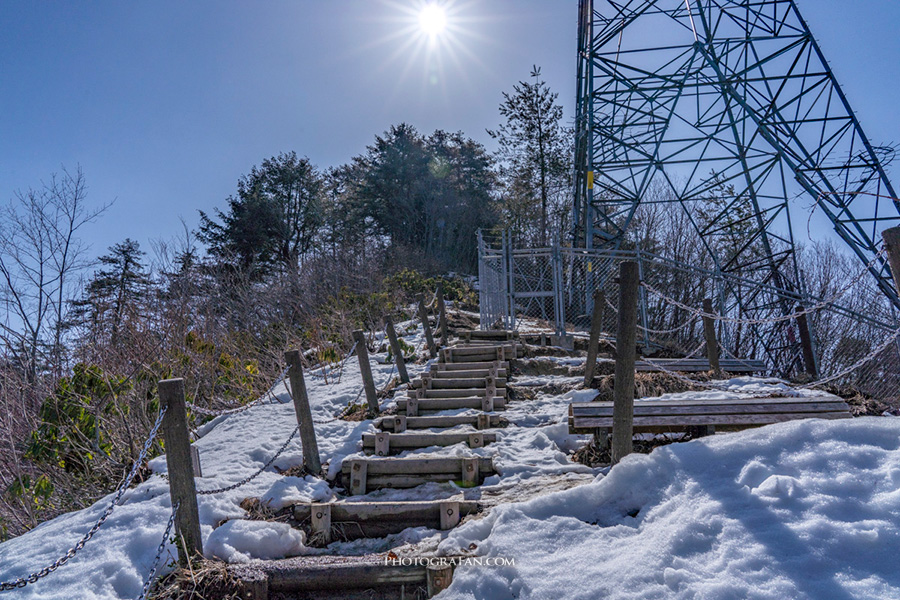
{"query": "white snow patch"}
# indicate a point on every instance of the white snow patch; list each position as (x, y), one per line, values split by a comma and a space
(239, 541)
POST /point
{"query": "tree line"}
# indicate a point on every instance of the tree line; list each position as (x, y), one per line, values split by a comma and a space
(298, 255)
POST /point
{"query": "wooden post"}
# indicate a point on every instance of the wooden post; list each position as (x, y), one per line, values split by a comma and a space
(320, 520)
(442, 315)
(362, 353)
(304, 415)
(476, 440)
(181, 470)
(399, 424)
(809, 357)
(483, 422)
(626, 338)
(423, 315)
(396, 349)
(892, 245)
(438, 579)
(382, 444)
(358, 472)
(449, 514)
(195, 461)
(470, 471)
(709, 330)
(412, 406)
(594, 340)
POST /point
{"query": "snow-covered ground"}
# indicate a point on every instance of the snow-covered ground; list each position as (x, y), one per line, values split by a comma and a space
(799, 510)
(802, 510)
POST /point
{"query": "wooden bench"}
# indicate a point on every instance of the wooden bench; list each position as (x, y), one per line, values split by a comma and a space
(698, 365)
(669, 416)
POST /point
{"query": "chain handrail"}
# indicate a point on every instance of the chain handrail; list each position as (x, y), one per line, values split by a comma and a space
(123, 487)
(239, 409)
(148, 583)
(247, 480)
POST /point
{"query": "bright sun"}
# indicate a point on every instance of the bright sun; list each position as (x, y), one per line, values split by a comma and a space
(432, 20)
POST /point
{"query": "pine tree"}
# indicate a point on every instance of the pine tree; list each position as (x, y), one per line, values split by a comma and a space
(534, 150)
(115, 292)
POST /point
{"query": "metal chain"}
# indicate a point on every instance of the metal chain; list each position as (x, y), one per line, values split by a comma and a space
(817, 306)
(123, 487)
(148, 583)
(866, 359)
(247, 480)
(239, 409)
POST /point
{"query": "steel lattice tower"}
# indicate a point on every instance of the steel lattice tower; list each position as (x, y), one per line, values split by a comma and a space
(732, 99)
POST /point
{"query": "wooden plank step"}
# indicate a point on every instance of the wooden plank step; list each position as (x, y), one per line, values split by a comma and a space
(360, 475)
(383, 444)
(415, 466)
(485, 354)
(455, 393)
(489, 334)
(438, 404)
(400, 423)
(468, 374)
(485, 364)
(358, 576)
(445, 383)
(355, 520)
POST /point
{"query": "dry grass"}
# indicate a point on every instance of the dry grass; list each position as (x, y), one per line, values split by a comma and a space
(646, 385)
(201, 580)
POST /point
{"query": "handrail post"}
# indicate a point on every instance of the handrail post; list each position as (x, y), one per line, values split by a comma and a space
(626, 340)
(180, 468)
(304, 413)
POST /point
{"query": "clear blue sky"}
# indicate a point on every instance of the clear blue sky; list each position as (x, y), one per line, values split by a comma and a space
(165, 104)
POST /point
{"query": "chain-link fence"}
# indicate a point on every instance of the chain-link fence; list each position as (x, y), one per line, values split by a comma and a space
(552, 288)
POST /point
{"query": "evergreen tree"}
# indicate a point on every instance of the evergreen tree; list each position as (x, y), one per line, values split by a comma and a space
(115, 293)
(274, 219)
(534, 152)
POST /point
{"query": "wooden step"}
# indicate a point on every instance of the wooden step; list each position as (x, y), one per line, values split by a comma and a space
(468, 374)
(347, 521)
(489, 334)
(454, 393)
(438, 404)
(445, 383)
(400, 423)
(363, 475)
(485, 364)
(478, 354)
(385, 443)
(369, 576)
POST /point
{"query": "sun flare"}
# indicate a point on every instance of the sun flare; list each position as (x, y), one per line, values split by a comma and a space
(432, 20)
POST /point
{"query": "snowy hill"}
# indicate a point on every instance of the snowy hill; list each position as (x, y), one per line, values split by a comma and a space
(799, 510)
